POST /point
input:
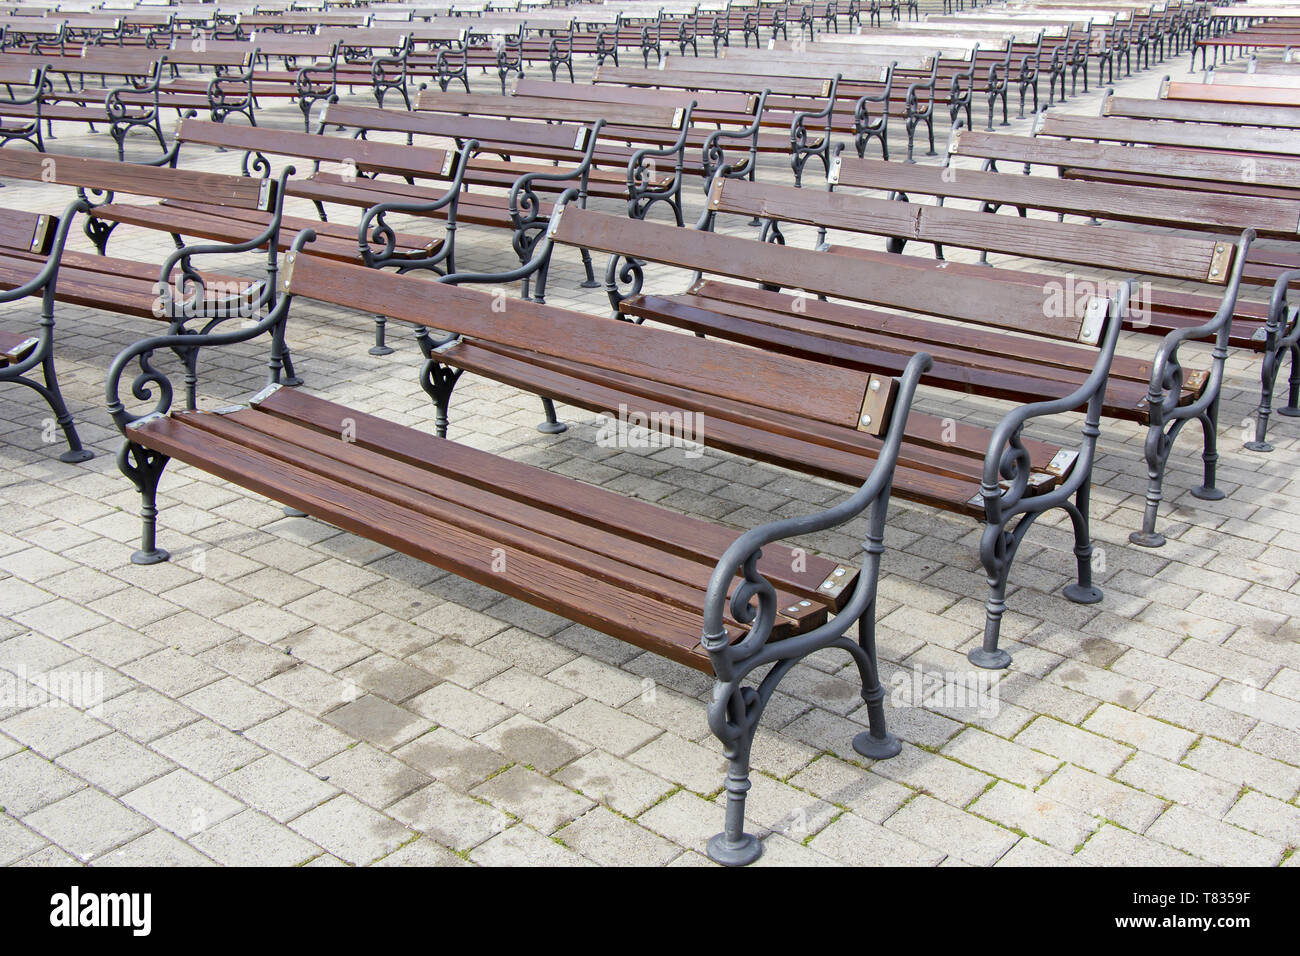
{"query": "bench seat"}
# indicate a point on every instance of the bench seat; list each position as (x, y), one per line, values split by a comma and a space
(627, 568)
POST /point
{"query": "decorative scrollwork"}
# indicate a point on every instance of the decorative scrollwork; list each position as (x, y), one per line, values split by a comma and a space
(624, 278)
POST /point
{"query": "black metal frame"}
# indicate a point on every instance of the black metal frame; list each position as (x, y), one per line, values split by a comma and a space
(917, 114)
(1281, 341)
(713, 153)
(864, 127)
(1167, 416)
(642, 193)
(801, 149)
(41, 353)
(736, 707)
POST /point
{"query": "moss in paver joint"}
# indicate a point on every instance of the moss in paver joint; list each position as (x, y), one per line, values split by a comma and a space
(670, 794)
(810, 837)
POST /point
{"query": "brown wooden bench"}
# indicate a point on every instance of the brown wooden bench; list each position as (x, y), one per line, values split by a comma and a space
(686, 589)
(1132, 382)
(1188, 111)
(1064, 377)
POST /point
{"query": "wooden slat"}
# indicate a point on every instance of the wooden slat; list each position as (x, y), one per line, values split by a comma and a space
(554, 109)
(884, 282)
(132, 179)
(767, 381)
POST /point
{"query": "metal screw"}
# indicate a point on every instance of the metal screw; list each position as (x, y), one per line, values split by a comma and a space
(875, 384)
(866, 419)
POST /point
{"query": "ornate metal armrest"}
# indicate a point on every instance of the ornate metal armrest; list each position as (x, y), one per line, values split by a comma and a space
(47, 271)
(714, 156)
(1165, 390)
(541, 254)
(639, 172)
(192, 286)
(1276, 327)
(1007, 475)
(375, 229)
(753, 602)
(188, 343)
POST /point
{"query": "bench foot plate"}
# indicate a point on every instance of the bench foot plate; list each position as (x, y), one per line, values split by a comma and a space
(294, 512)
(989, 660)
(1147, 539)
(1082, 595)
(1288, 411)
(591, 284)
(877, 748)
(1258, 446)
(156, 556)
(81, 454)
(1209, 494)
(746, 851)
(552, 428)
(380, 350)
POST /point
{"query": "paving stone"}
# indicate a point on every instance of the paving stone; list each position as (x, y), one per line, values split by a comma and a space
(455, 760)
(115, 764)
(299, 737)
(29, 782)
(1267, 817)
(464, 711)
(449, 817)
(1111, 846)
(999, 757)
(682, 762)
(537, 745)
(522, 846)
(16, 840)
(422, 852)
(351, 830)
(182, 803)
(934, 823)
(155, 848)
(1030, 853)
(251, 839)
(1144, 733)
(605, 727)
(1243, 768)
(207, 749)
(604, 837)
(1035, 814)
(1103, 798)
(538, 801)
(277, 788)
(1076, 746)
(87, 823)
(1213, 840)
(859, 842)
(374, 719)
(370, 774)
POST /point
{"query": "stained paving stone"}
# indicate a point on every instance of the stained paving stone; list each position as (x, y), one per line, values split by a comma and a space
(523, 846)
(450, 817)
(538, 801)
(529, 742)
(1036, 814)
(1104, 798)
(299, 737)
(381, 723)
(613, 782)
(371, 775)
(455, 760)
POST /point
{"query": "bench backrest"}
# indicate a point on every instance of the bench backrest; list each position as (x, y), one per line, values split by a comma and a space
(27, 231)
(1176, 208)
(662, 117)
(1225, 93)
(550, 136)
(159, 182)
(718, 82)
(1107, 247)
(739, 104)
(1172, 163)
(1156, 133)
(366, 155)
(895, 282)
(808, 389)
(1189, 111)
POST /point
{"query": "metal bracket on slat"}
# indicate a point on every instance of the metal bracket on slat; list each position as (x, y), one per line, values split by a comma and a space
(835, 582)
(1196, 379)
(286, 273)
(554, 226)
(19, 351)
(715, 193)
(1094, 318)
(795, 609)
(146, 419)
(1062, 462)
(264, 194)
(1219, 262)
(953, 142)
(875, 404)
(1036, 481)
(264, 394)
(679, 114)
(833, 176)
(38, 234)
(448, 345)
(449, 162)
(228, 409)
(1260, 335)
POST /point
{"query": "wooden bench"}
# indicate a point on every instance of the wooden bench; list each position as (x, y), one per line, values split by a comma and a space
(1189, 111)
(686, 589)
(938, 473)
(1132, 386)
